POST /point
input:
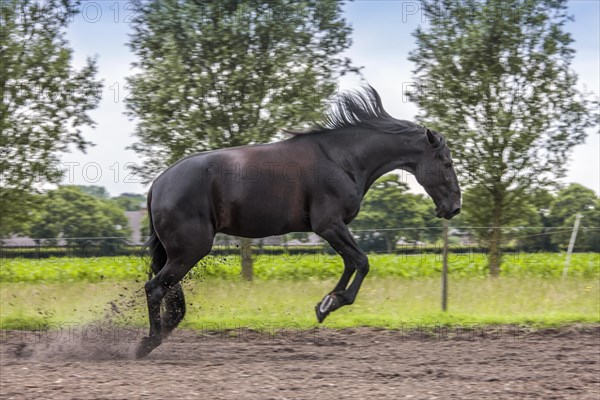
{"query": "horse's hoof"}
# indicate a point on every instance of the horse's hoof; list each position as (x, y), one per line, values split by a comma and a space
(146, 346)
(320, 316)
(325, 307)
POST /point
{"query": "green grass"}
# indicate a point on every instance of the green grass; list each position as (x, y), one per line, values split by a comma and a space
(72, 269)
(300, 267)
(390, 303)
(400, 290)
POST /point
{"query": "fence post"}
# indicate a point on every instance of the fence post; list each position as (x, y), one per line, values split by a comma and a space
(246, 254)
(445, 267)
(571, 245)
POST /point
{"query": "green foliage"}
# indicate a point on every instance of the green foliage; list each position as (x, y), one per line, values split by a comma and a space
(217, 74)
(547, 217)
(44, 101)
(17, 208)
(568, 202)
(302, 267)
(495, 78)
(388, 205)
(477, 213)
(130, 201)
(68, 212)
(98, 192)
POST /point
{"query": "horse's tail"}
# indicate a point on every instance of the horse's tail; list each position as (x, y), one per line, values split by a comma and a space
(157, 251)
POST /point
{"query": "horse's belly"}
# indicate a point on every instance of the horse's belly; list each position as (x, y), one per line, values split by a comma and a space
(263, 216)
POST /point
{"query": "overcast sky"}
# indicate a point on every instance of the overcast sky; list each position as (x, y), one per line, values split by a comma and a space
(381, 42)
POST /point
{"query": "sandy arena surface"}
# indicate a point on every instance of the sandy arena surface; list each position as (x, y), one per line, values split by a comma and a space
(480, 362)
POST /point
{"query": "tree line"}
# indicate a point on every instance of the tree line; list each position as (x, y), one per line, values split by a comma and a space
(78, 215)
(88, 216)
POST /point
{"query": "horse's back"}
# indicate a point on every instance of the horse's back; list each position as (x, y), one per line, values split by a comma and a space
(247, 191)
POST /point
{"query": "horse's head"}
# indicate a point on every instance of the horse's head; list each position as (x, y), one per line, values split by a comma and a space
(435, 173)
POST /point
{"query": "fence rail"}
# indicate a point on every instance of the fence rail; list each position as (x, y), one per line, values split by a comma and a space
(516, 238)
(440, 228)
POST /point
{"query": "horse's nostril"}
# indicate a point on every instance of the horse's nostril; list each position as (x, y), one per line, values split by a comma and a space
(456, 212)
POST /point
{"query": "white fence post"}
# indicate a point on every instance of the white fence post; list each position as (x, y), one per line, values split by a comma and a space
(571, 245)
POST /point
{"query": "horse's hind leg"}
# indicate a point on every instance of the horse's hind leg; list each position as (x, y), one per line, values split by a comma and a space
(174, 309)
(183, 252)
(156, 289)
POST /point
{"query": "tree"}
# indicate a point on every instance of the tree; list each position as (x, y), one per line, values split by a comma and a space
(387, 207)
(576, 199)
(524, 212)
(537, 203)
(589, 235)
(98, 192)
(547, 218)
(494, 77)
(69, 213)
(130, 201)
(215, 74)
(44, 101)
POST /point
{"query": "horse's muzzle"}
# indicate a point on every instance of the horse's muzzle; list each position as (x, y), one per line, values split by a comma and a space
(454, 213)
(447, 215)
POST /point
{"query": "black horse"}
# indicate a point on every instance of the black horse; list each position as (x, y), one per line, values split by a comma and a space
(314, 181)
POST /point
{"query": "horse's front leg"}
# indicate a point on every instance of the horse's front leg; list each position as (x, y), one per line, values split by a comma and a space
(339, 237)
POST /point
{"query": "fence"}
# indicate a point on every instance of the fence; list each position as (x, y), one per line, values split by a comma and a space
(461, 239)
(441, 241)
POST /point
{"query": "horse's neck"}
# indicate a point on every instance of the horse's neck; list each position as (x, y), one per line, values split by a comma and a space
(374, 154)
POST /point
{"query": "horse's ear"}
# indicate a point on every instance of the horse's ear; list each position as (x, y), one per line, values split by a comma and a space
(433, 140)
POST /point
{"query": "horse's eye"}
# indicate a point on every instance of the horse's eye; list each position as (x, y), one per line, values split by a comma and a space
(448, 165)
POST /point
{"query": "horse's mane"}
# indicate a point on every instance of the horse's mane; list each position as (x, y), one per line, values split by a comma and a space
(359, 109)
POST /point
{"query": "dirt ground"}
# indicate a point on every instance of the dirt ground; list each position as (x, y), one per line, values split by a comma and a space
(478, 362)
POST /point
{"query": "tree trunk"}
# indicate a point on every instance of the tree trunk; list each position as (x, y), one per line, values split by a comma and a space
(246, 254)
(494, 247)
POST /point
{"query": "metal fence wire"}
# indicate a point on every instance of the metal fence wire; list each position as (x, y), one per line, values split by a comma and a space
(405, 240)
